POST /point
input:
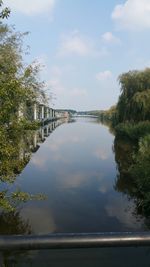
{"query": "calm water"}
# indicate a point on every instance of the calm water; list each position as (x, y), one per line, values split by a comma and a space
(74, 166)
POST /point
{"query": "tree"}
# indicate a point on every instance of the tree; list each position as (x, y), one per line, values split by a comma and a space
(134, 101)
(19, 84)
(4, 13)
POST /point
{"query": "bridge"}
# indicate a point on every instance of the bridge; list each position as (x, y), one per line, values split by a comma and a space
(85, 116)
(30, 144)
(40, 113)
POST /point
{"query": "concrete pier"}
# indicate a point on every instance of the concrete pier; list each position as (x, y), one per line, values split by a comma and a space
(39, 112)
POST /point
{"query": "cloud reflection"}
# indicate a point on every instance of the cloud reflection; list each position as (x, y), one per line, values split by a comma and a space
(101, 154)
(123, 210)
(41, 219)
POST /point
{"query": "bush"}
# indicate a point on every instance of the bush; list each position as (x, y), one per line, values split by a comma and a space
(133, 131)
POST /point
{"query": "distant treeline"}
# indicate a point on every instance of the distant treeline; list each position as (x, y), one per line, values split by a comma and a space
(70, 111)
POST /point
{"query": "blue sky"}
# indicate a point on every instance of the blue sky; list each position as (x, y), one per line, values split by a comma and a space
(85, 45)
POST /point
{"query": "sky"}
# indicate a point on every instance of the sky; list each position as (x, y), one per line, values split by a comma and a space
(84, 45)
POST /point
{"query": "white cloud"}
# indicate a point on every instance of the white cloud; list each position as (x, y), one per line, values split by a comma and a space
(109, 38)
(56, 86)
(105, 75)
(123, 211)
(31, 7)
(132, 15)
(74, 43)
(77, 92)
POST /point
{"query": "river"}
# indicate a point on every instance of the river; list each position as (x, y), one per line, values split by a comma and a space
(74, 167)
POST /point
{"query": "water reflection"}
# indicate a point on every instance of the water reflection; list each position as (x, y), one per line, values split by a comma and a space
(133, 177)
(75, 167)
(12, 223)
(16, 149)
(106, 257)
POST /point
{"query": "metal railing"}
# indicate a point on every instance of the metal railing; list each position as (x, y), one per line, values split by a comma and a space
(66, 241)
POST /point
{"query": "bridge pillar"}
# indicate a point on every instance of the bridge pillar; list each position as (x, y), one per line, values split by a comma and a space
(47, 113)
(35, 112)
(51, 113)
(41, 112)
(47, 130)
(42, 134)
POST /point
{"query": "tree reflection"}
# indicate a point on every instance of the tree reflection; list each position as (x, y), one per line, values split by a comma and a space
(133, 179)
(12, 223)
(16, 147)
(14, 152)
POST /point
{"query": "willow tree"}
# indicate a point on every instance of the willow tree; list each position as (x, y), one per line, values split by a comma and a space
(134, 101)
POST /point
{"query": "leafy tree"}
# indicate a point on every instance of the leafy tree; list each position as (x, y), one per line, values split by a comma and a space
(134, 101)
(19, 84)
(4, 13)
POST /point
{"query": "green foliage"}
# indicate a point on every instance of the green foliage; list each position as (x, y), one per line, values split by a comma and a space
(140, 171)
(141, 167)
(19, 84)
(4, 13)
(133, 131)
(12, 223)
(10, 200)
(134, 101)
(15, 152)
(11, 144)
(106, 116)
(133, 161)
(28, 125)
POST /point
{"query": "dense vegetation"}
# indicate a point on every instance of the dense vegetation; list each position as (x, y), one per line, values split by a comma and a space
(131, 121)
(19, 83)
(19, 86)
(134, 101)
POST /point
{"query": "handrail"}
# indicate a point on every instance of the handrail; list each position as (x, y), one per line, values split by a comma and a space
(73, 240)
